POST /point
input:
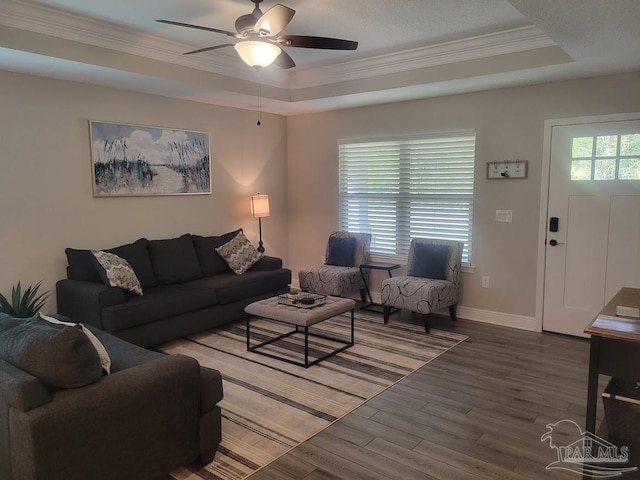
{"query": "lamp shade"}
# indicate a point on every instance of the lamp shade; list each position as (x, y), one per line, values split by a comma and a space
(256, 53)
(260, 206)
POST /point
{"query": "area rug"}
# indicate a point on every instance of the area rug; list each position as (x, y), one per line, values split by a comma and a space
(271, 406)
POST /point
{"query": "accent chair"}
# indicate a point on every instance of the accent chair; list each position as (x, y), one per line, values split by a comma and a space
(340, 274)
(432, 282)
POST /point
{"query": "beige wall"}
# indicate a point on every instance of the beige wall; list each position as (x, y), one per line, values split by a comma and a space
(509, 124)
(45, 175)
(47, 202)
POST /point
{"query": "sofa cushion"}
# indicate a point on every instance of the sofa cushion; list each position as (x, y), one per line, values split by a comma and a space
(429, 261)
(137, 255)
(230, 287)
(340, 251)
(60, 356)
(174, 260)
(211, 263)
(116, 272)
(122, 353)
(157, 303)
(239, 253)
(105, 360)
(82, 266)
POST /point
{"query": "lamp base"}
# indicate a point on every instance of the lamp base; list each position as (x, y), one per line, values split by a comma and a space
(260, 247)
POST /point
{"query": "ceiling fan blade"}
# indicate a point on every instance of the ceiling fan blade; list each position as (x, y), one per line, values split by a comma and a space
(206, 49)
(304, 41)
(284, 60)
(274, 20)
(199, 27)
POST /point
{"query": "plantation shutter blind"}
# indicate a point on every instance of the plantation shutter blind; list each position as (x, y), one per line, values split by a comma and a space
(401, 188)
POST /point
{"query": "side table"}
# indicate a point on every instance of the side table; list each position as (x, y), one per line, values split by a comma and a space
(372, 306)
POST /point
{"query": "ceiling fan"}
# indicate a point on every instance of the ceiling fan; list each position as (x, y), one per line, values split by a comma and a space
(259, 38)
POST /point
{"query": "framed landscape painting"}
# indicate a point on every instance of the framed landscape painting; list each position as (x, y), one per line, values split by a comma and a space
(134, 160)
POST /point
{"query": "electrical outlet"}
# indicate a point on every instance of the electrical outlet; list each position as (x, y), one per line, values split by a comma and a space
(485, 282)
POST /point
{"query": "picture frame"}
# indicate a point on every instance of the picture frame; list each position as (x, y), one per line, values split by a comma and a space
(139, 160)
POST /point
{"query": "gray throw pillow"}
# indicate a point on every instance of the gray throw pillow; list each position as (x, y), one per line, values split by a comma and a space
(59, 356)
(341, 250)
(105, 359)
(429, 261)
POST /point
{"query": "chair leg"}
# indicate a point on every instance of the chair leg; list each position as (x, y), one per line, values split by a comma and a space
(427, 322)
(386, 311)
(453, 312)
(363, 295)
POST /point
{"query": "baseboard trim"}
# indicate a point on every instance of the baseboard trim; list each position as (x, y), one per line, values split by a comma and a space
(520, 322)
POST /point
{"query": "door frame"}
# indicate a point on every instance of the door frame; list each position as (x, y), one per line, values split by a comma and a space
(544, 192)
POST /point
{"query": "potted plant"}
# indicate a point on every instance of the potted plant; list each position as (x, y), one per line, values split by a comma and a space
(23, 304)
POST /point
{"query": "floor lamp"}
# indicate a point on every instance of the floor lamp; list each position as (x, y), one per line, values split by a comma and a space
(259, 209)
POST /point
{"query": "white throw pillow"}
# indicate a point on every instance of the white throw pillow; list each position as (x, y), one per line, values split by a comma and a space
(105, 359)
(239, 253)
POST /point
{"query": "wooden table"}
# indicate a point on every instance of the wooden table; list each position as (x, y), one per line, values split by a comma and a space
(615, 348)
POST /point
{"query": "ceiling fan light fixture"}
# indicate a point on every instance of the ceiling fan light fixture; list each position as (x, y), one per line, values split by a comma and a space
(256, 53)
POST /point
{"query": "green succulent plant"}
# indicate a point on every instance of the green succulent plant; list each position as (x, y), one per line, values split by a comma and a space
(23, 304)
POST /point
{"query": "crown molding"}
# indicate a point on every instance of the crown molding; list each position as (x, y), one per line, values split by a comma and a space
(508, 41)
(58, 23)
(41, 19)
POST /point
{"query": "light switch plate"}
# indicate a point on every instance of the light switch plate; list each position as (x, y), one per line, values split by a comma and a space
(504, 215)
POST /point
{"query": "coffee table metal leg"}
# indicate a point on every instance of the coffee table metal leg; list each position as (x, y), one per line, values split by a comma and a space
(306, 346)
(352, 326)
(248, 333)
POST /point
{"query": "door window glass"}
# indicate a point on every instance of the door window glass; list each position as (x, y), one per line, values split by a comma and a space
(605, 157)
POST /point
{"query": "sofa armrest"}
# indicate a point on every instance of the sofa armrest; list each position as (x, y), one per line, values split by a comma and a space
(267, 263)
(83, 301)
(147, 414)
(20, 390)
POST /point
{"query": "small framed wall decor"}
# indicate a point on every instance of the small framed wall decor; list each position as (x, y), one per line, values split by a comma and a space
(503, 169)
(135, 160)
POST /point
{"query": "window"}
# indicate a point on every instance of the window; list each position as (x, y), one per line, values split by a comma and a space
(401, 188)
(606, 157)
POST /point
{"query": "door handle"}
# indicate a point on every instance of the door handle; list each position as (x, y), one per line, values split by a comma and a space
(553, 242)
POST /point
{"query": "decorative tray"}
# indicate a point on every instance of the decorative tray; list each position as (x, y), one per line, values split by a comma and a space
(302, 300)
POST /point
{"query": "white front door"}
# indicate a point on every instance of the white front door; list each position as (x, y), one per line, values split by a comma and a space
(594, 193)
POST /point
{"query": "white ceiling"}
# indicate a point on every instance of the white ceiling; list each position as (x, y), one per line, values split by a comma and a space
(408, 49)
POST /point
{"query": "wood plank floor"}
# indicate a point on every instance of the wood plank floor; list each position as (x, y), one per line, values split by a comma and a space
(477, 411)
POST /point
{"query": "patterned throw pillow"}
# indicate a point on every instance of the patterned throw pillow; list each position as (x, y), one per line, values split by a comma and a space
(239, 253)
(116, 272)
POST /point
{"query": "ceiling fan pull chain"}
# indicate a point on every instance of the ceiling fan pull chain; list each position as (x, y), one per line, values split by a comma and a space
(259, 101)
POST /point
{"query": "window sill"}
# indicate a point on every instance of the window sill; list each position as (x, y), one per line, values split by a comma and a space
(402, 260)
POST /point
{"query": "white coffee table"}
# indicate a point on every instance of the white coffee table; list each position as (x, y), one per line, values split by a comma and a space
(301, 319)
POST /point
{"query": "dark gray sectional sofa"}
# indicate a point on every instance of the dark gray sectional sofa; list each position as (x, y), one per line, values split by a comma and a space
(187, 287)
(151, 414)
